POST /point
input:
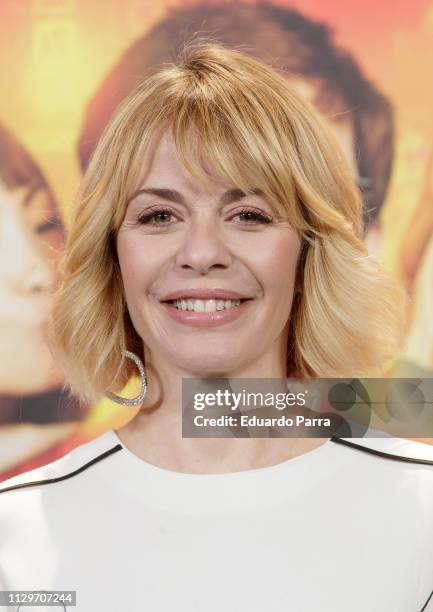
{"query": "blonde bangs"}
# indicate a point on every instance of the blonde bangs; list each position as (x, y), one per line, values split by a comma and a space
(222, 133)
(227, 132)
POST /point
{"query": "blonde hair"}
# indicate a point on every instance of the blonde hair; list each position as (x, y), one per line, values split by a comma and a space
(253, 130)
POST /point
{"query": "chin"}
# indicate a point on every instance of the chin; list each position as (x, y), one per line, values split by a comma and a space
(207, 366)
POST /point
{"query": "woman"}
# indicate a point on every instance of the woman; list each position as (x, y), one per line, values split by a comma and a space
(37, 418)
(217, 235)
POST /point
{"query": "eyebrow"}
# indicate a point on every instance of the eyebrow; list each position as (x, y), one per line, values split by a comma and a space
(228, 197)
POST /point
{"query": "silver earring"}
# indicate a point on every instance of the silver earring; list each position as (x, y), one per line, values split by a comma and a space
(134, 401)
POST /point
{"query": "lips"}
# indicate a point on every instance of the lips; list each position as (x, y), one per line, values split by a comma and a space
(204, 294)
(207, 319)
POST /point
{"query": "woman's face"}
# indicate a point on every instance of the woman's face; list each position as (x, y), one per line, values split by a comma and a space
(29, 229)
(205, 241)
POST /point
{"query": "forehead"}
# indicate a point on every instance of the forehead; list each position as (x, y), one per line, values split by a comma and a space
(161, 155)
(162, 165)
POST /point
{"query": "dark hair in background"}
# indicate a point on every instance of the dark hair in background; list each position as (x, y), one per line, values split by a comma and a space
(17, 169)
(283, 38)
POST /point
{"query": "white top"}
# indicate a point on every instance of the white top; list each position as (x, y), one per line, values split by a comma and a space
(336, 529)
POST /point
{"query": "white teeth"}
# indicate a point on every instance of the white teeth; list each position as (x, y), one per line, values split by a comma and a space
(205, 305)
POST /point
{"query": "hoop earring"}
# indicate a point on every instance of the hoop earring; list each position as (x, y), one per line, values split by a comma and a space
(134, 401)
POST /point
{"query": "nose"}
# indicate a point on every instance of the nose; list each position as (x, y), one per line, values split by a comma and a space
(204, 247)
(36, 278)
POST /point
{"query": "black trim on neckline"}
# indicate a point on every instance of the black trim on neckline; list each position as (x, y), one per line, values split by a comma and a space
(22, 485)
(425, 605)
(373, 451)
(119, 447)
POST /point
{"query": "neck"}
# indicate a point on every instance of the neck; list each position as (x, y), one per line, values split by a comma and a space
(155, 433)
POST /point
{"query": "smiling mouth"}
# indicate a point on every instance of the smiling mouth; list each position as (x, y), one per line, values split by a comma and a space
(208, 305)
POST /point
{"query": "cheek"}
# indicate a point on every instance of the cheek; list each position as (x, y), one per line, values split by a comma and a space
(130, 262)
(50, 243)
(276, 264)
(139, 263)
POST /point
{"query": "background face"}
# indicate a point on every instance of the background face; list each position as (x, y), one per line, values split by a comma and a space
(54, 57)
(30, 231)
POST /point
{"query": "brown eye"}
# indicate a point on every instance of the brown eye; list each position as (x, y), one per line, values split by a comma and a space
(252, 216)
(155, 217)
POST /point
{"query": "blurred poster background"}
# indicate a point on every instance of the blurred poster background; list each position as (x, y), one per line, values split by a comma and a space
(64, 67)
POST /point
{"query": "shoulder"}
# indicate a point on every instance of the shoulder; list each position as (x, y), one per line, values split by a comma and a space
(393, 475)
(75, 462)
(398, 450)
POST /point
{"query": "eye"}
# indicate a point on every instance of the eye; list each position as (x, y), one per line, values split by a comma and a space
(252, 216)
(151, 216)
(51, 224)
(160, 216)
